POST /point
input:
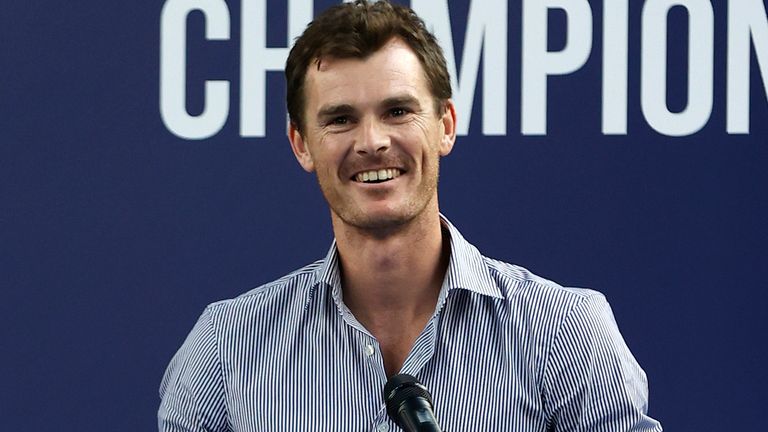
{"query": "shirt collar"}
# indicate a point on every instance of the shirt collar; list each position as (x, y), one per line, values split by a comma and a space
(467, 268)
(328, 272)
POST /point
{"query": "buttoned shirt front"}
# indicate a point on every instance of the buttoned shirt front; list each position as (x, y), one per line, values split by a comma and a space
(504, 351)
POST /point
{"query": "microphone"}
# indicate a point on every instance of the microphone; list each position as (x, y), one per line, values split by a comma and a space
(409, 404)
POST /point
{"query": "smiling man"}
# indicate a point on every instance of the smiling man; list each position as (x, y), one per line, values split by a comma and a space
(400, 290)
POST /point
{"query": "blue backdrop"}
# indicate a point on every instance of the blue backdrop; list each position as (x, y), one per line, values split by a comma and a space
(115, 231)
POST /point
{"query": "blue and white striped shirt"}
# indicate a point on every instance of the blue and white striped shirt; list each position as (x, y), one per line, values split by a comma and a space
(505, 351)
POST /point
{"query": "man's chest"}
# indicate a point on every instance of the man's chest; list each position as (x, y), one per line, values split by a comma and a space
(333, 381)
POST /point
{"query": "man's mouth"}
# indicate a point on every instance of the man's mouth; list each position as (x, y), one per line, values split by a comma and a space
(377, 176)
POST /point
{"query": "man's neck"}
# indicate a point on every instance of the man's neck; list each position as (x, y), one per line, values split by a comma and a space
(396, 276)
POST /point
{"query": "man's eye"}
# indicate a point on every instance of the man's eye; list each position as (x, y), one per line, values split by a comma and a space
(397, 112)
(339, 121)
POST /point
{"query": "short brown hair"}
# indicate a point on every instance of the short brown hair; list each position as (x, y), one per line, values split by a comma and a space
(357, 30)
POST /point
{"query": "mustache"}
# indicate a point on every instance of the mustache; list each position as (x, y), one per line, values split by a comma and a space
(359, 163)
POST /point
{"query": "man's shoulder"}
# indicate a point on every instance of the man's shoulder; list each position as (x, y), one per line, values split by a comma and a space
(293, 287)
(518, 284)
(503, 280)
(537, 307)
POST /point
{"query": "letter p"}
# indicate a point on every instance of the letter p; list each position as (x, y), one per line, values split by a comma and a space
(538, 63)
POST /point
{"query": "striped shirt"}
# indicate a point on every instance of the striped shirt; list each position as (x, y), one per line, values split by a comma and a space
(504, 351)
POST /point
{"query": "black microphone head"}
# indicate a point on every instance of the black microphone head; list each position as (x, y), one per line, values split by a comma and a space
(400, 388)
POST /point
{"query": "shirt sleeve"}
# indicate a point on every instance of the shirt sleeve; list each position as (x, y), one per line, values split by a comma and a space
(192, 389)
(591, 380)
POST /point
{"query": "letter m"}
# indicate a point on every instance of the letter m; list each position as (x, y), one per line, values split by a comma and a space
(486, 32)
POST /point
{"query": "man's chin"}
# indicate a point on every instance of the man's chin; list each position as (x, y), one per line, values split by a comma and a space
(383, 222)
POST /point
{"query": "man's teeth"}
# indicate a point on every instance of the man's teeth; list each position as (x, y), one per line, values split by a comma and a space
(378, 175)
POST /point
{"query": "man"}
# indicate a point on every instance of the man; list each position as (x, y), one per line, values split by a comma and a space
(400, 290)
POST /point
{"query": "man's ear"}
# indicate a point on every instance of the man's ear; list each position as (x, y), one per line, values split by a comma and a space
(300, 149)
(448, 119)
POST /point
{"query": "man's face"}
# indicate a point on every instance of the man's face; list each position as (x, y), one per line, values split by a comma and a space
(373, 136)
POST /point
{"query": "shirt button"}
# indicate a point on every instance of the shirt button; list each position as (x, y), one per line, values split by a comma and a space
(369, 351)
(382, 427)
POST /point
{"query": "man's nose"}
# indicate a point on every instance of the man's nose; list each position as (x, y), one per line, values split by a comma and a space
(373, 138)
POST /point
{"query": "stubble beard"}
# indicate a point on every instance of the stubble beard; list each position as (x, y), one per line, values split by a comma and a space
(350, 213)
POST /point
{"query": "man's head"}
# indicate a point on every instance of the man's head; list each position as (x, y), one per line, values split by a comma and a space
(371, 115)
(357, 30)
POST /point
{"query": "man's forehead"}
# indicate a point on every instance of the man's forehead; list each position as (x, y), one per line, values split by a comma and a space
(395, 63)
(393, 43)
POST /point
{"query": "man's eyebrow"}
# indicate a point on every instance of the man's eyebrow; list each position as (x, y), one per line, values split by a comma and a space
(334, 110)
(403, 100)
